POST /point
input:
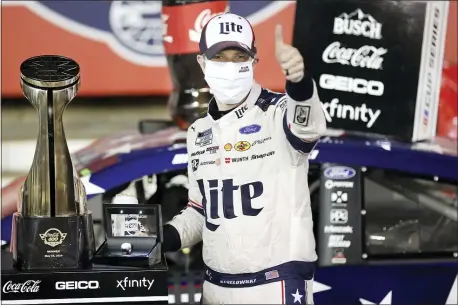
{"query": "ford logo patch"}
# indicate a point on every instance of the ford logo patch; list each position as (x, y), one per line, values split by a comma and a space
(250, 129)
(339, 172)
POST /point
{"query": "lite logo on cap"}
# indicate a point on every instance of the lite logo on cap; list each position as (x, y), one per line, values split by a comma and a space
(227, 31)
(228, 27)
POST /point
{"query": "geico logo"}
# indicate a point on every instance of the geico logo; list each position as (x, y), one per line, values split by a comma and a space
(354, 113)
(348, 84)
(75, 285)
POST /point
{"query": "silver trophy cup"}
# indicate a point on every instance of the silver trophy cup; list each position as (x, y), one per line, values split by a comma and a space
(52, 228)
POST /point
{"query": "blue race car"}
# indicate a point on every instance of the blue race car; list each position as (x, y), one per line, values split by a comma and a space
(385, 213)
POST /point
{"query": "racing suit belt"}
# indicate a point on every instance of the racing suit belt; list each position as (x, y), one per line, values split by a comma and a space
(286, 271)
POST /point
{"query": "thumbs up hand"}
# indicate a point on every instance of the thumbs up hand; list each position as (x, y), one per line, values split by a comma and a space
(289, 58)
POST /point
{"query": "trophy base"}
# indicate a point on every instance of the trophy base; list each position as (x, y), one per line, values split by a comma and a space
(52, 242)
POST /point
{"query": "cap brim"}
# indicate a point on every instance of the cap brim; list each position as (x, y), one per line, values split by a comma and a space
(218, 47)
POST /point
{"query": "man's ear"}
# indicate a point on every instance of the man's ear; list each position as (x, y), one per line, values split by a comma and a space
(200, 60)
(255, 61)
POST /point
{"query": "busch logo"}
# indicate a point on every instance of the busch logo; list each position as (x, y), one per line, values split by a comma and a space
(201, 21)
(357, 24)
(26, 287)
(245, 193)
(368, 57)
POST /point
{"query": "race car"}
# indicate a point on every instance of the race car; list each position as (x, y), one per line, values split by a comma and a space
(385, 213)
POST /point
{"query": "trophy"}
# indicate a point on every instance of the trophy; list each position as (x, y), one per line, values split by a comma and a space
(52, 228)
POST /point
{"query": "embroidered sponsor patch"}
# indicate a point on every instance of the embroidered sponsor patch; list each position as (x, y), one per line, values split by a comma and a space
(301, 115)
(204, 138)
(250, 129)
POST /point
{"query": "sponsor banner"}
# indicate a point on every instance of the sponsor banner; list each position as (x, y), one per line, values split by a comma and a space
(373, 74)
(125, 36)
(112, 31)
(37, 287)
(339, 226)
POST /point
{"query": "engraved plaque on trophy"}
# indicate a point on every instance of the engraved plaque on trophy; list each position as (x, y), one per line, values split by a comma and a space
(52, 228)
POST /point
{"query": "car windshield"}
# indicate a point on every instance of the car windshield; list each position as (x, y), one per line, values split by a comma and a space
(407, 215)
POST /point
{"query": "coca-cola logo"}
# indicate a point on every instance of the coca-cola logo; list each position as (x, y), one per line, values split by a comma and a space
(368, 57)
(26, 287)
(201, 21)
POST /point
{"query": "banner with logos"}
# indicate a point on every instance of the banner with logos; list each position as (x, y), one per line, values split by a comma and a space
(377, 64)
(339, 224)
(119, 43)
(85, 287)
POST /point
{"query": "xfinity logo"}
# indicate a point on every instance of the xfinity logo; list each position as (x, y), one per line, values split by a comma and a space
(127, 283)
(77, 285)
(348, 112)
(357, 24)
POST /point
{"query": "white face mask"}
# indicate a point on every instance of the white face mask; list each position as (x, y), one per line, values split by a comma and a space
(228, 81)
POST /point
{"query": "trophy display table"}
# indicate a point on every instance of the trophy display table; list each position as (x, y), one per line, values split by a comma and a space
(99, 285)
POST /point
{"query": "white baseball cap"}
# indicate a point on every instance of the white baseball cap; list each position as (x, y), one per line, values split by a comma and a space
(227, 31)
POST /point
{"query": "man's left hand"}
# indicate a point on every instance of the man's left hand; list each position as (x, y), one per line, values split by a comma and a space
(289, 58)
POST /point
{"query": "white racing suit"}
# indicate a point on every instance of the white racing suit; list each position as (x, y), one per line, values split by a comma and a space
(249, 199)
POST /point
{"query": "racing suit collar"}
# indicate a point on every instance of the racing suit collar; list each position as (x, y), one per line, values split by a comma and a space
(238, 111)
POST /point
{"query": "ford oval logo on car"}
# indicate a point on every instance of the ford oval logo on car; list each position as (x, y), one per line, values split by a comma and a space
(339, 172)
(250, 129)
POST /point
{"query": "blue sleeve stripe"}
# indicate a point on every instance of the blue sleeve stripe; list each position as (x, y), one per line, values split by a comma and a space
(296, 143)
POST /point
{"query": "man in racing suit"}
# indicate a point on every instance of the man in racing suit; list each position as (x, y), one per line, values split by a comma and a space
(248, 161)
